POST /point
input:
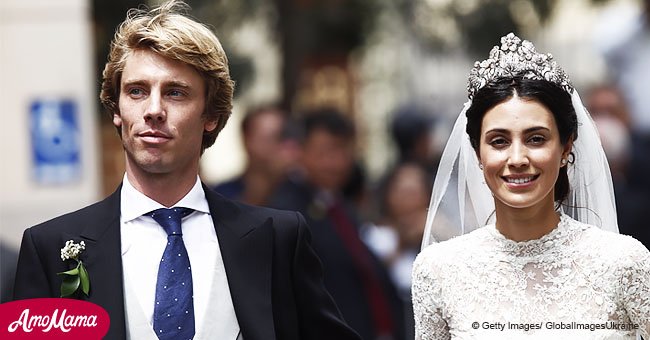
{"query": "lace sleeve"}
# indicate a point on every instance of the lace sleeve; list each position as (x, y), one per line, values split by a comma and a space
(636, 289)
(429, 324)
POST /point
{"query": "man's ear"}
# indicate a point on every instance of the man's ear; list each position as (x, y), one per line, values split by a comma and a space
(117, 119)
(209, 125)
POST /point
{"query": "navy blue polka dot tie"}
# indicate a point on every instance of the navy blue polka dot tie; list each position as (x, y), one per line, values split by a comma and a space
(173, 313)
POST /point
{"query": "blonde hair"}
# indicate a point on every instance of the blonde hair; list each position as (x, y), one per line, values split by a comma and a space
(169, 32)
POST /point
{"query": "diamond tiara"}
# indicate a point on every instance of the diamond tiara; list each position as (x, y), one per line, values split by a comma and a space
(516, 57)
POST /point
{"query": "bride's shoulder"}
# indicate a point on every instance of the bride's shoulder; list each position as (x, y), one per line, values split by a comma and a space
(620, 247)
(452, 251)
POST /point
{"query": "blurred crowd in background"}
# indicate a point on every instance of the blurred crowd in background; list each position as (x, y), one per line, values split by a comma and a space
(366, 234)
(358, 160)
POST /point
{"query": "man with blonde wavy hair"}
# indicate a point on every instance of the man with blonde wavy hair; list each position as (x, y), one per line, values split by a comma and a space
(166, 256)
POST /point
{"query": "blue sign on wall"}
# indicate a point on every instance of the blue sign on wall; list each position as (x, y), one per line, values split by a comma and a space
(55, 141)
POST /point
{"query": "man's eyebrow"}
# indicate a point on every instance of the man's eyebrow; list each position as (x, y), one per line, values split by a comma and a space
(173, 83)
(129, 82)
(176, 83)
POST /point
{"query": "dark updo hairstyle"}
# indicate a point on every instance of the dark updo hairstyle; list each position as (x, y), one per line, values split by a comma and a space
(549, 94)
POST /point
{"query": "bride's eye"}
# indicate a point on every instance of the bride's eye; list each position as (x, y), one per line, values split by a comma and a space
(498, 142)
(536, 140)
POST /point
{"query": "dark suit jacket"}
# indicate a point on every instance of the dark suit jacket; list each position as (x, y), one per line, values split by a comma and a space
(275, 278)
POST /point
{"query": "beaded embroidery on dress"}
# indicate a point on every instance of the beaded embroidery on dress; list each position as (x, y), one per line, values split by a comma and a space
(484, 286)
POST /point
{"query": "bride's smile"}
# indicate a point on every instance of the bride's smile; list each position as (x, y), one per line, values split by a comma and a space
(519, 181)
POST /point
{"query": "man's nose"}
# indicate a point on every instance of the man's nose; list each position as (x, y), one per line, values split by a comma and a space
(155, 109)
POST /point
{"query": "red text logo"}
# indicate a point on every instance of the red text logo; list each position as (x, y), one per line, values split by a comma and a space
(52, 318)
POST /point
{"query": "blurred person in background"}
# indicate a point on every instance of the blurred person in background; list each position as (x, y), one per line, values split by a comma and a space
(357, 280)
(403, 199)
(412, 132)
(627, 60)
(610, 114)
(355, 190)
(271, 154)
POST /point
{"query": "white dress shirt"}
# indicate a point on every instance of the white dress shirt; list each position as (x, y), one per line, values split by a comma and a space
(143, 243)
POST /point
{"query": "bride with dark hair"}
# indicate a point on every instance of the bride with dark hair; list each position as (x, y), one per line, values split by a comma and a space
(521, 239)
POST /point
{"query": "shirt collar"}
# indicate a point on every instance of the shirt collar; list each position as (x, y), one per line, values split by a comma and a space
(135, 204)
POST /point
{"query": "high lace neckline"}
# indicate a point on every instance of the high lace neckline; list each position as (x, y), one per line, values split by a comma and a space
(532, 247)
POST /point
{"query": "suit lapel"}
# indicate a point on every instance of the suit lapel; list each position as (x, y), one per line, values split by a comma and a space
(103, 260)
(246, 248)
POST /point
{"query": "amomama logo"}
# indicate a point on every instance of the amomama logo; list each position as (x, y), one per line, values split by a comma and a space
(52, 318)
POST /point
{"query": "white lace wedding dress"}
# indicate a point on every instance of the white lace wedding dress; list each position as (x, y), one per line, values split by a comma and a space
(577, 282)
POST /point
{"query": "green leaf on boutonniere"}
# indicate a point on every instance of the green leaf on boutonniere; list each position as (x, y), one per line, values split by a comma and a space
(72, 272)
(83, 276)
(70, 285)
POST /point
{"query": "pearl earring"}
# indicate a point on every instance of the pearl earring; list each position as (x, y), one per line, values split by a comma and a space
(564, 161)
(480, 165)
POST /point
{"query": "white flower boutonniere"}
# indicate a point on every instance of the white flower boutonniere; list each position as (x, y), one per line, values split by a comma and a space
(76, 278)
